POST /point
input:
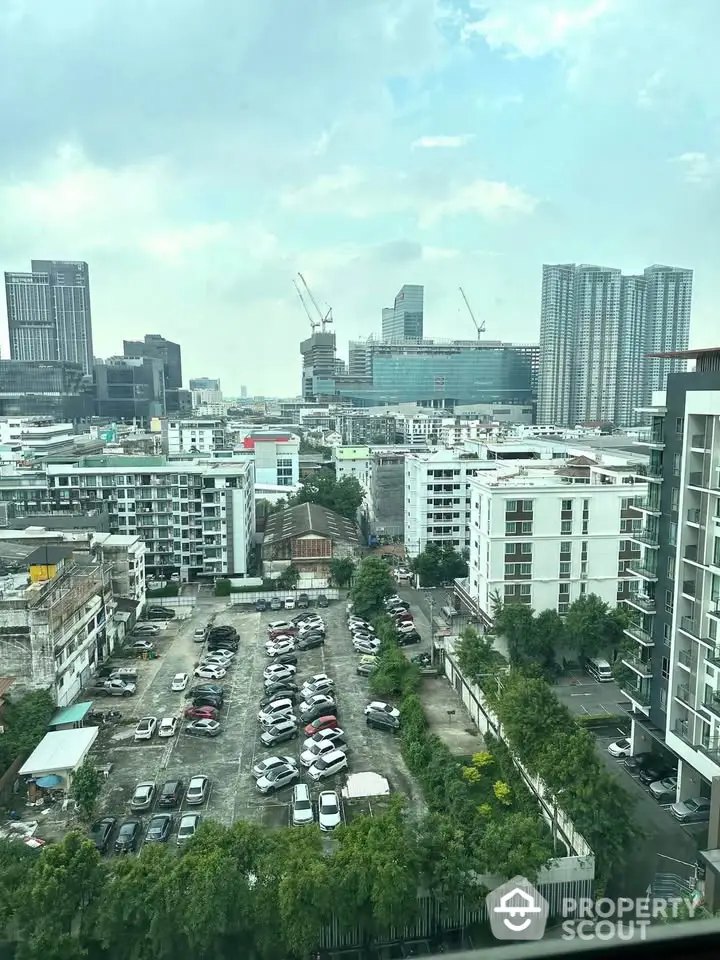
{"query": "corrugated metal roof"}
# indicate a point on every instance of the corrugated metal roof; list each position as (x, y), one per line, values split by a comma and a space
(72, 714)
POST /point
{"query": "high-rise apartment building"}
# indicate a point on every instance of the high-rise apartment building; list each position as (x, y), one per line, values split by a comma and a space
(672, 678)
(596, 329)
(49, 316)
(404, 321)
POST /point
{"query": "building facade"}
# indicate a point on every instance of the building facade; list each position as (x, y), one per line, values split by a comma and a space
(547, 534)
(277, 458)
(437, 500)
(45, 388)
(195, 517)
(155, 347)
(205, 383)
(130, 389)
(404, 321)
(125, 558)
(49, 315)
(198, 435)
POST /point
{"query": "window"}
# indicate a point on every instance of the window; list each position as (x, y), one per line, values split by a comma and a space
(672, 534)
(677, 459)
(565, 569)
(526, 526)
(509, 549)
(671, 568)
(566, 546)
(511, 506)
(527, 548)
(668, 602)
(679, 426)
(666, 633)
(665, 668)
(675, 498)
(525, 569)
(509, 570)
(566, 526)
(527, 506)
(566, 505)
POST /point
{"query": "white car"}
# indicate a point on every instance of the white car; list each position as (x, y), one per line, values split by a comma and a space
(210, 672)
(314, 623)
(260, 769)
(289, 603)
(357, 624)
(379, 706)
(180, 681)
(312, 703)
(197, 789)
(328, 765)
(282, 706)
(302, 809)
(280, 646)
(199, 635)
(279, 671)
(620, 748)
(189, 822)
(329, 814)
(313, 689)
(321, 749)
(277, 778)
(332, 733)
(168, 727)
(366, 646)
(319, 678)
(214, 660)
(146, 728)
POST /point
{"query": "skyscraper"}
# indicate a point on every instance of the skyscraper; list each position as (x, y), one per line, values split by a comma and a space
(596, 329)
(155, 347)
(404, 321)
(49, 316)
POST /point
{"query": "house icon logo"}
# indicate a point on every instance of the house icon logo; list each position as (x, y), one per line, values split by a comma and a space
(517, 911)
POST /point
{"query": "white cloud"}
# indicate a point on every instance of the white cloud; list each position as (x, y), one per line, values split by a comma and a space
(351, 193)
(443, 142)
(698, 167)
(537, 27)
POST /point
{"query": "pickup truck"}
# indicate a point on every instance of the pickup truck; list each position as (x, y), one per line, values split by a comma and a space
(112, 688)
(124, 673)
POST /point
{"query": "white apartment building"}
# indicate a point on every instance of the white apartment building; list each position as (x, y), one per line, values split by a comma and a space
(199, 435)
(35, 436)
(422, 428)
(357, 462)
(547, 533)
(125, 557)
(277, 457)
(437, 499)
(195, 517)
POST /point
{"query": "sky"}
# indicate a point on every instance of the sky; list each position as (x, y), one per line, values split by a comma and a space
(199, 153)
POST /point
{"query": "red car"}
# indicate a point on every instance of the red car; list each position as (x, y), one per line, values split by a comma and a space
(288, 632)
(201, 713)
(322, 723)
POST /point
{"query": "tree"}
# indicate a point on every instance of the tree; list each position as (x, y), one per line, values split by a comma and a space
(438, 564)
(86, 787)
(373, 582)
(341, 571)
(25, 722)
(288, 579)
(394, 675)
(343, 496)
(476, 656)
(593, 628)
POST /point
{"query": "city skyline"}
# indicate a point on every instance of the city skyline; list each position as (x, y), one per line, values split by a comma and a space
(471, 147)
(597, 327)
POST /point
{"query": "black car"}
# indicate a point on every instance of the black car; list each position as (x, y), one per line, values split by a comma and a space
(222, 631)
(406, 639)
(310, 641)
(160, 613)
(656, 770)
(322, 600)
(303, 601)
(285, 658)
(159, 828)
(200, 689)
(223, 644)
(171, 793)
(321, 710)
(640, 760)
(383, 721)
(127, 837)
(208, 700)
(101, 832)
(301, 618)
(283, 694)
(276, 686)
(261, 606)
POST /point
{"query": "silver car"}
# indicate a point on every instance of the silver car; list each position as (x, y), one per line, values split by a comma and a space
(277, 778)
(189, 822)
(302, 808)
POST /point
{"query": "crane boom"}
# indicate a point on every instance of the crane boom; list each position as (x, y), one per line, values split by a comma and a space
(325, 318)
(479, 327)
(313, 323)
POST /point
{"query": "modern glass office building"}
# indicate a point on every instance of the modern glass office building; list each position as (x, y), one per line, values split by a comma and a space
(52, 388)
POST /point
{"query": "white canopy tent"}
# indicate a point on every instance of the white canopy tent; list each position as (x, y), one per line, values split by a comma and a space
(59, 754)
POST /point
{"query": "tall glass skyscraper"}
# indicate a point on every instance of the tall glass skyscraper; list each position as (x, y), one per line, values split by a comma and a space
(404, 321)
(49, 316)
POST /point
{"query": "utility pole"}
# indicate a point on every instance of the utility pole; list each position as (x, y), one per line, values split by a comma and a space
(431, 604)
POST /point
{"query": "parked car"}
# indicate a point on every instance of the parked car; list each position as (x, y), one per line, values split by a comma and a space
(280, 688)
(319, 679)
(179, 682)
(322, 748)
(128, 836)
(289, 603)
(280, 626)
(168, 727)
(657, 771)
(208, 700)
(407, 637)
(310, 641)
(265, 766)
(317, 706)
(327, 722)
(100, 833)
(142, 798)
(366, 646)
(277, 778)
(145, 728)
(189, 822)
(171, 793)
(222, 630)
(276, 603)
(141, 646)
(382, 721)
(200, 689)
(327, 733)
(280, 646)
(328, 765)
(364, 669)
(357, 623)
(620, 748)
(210, 672)
(199, 635)
(322, 600)
(261, 605)
(282, 706)
(303, 600)
(664, 791)
(159, 828)
(379, 706)
(198, 789)
(289, 659)
(279, 671)
(695, 810)
(145, 630)
(311, 689)
(283, 731)
(222, 644)
(329, 811)
(201, 713)
(301, 806)
(203, 728)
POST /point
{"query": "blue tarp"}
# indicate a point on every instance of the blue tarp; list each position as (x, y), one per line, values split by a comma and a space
(50, 781)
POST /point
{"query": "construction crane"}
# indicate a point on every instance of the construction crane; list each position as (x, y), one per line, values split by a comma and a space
(325, 318)
(314, 324)
(479, 327)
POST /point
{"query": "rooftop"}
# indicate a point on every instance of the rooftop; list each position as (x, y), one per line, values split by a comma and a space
(49, 555)
(546, 473)
(58, 751)
(309, 518)
(72, 714)
(352, 453)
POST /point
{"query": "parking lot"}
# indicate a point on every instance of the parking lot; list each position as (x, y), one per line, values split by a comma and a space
(228, 759)
(584, 696)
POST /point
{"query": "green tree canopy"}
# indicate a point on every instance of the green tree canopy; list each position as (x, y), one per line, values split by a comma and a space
(26, 723)
(86, 787)
(344, 496)
(342, 570)
(437, 565)
(373, 582)
(594, 628)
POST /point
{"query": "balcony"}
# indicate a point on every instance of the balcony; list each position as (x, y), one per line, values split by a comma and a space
(638, 634)
(698, 442)
(712, 703)
(649, 505)
(696, 479)
(692, 627)
(643, 668)
(714, 610)
(689, 588)
(710, 746)
(685, 658)
(647, 536)
(655, 441)
(691, 553)
(682, 729)
(640, 699)
(693, 516)
(682, 693)
(640, 568)
(641, 602)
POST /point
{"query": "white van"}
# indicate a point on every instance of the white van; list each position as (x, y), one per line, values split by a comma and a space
(600, 670)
